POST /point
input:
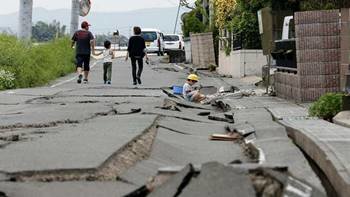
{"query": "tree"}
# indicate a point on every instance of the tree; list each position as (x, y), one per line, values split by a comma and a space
(223, 10)
(193, 21)
(43, 32)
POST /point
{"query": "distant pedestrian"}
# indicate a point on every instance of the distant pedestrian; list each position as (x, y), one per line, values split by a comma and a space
(108, 55)
(136, 52)
(84, 43)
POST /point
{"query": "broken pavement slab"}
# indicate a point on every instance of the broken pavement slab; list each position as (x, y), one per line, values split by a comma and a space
(277, 148)
(174, 186)
(66, 189)
(327, 145)
(218, 180)
(173, 148)
(243, 129)
(81, 147)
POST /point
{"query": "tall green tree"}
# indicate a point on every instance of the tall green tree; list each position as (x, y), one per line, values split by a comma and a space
(43, 32)
(192, 22)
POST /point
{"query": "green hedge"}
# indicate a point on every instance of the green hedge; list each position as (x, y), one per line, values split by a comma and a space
(33, 65)
(327, 106)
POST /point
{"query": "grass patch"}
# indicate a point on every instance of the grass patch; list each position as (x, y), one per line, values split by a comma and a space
(33, 65)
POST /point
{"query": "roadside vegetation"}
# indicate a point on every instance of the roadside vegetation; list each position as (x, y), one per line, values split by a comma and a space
(25, 65)
(239, 17)
(327, 106)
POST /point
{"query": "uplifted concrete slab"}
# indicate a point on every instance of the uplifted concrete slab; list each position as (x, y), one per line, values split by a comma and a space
(171, 149)
(80, 146)
(328, 145)
(288, 111)
(193, 128)
(199, 149)
(66, 189)
(276, 147)
(218, 180)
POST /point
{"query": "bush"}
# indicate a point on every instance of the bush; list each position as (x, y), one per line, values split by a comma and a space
(35, 65)
(328, 106)
(7, 80)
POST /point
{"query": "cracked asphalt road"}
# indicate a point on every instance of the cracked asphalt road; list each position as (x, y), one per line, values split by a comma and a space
(72, 140)
(88, 133)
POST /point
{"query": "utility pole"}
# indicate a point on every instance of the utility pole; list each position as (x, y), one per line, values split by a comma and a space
(25, 19)
(74, 24)
(211, 14)
(205, 5)
(177, 16)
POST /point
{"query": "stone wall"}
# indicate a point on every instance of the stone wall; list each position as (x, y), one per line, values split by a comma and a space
(318, 57)
(202, 47)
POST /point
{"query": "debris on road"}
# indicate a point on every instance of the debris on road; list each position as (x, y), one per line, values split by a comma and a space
(217, 118)
(215, 179)
(244, 129)
(225, 137)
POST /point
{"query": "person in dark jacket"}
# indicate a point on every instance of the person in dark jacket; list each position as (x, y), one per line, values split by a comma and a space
(136, 52)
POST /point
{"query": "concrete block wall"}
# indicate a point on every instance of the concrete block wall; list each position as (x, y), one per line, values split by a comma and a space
(202, 47)
(318, 57)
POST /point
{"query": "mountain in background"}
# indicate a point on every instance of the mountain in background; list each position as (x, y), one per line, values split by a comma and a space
(105, 22)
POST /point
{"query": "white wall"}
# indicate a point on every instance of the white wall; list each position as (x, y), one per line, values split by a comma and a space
(188, 51)
(242, 63)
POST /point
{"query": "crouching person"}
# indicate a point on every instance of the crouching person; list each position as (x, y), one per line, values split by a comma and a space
(189, 93)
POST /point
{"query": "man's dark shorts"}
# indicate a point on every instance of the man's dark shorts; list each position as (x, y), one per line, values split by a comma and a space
(83, 61)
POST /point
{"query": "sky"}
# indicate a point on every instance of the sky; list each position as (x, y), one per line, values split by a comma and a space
(10, 6)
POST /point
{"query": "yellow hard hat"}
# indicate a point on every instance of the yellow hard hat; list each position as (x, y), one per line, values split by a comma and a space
(193, 77)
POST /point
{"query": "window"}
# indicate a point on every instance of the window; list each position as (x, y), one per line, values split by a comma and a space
(170, 38)
(149, 36)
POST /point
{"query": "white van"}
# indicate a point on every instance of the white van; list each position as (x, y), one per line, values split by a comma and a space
(173, 41)
(154, 39)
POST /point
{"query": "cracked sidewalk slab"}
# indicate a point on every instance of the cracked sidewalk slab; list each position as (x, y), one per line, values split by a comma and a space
(269, 135)
(327, 145)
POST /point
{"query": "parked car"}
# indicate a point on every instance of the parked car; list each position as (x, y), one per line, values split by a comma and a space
(173, 41)
(154, 39)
